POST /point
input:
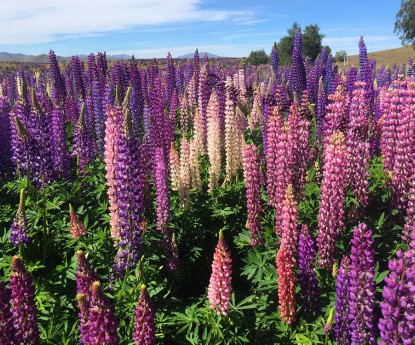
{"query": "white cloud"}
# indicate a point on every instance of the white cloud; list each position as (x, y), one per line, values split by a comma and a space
(28, 22)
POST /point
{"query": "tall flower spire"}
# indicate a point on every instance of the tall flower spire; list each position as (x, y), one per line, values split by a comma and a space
(220, 285)
(144, 326)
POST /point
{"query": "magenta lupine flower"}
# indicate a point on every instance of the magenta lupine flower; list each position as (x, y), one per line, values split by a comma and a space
(77, 228)
(5, 133)
(397, 326)
(331, 214)
(252, 176)
(85, 275)
(357, 144)
(286, 285)
(102, 322)
(289, 223)
(405, 141)
(280, 162)
(307, 276)
(19, 231)
(299, 127)
(83, 315)
(361, 287)
(409, 228)
(204, 96)
(144, 325)
(6, 319)
(23, 304)
(336, 111)
(162, 190)
(362, 57)
(341, 326)
(220, 285)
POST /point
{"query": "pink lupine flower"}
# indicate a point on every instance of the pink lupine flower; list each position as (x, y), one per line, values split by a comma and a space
(289, 223)
(219, 292)
(331, 214)
(286, 285)
(213, 142)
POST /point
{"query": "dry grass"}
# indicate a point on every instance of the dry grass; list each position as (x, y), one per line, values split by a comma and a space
(387, 57)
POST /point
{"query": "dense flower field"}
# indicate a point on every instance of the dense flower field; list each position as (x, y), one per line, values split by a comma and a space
(193, 203)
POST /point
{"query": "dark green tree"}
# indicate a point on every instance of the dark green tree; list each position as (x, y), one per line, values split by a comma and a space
(340, 56)
(257, 57)
(312, 40)
(405, 22)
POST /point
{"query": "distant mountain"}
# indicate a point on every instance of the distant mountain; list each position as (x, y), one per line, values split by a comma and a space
(201, 54)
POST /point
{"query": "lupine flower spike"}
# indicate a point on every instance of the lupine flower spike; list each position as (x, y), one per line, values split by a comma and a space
(219, 292)
(77, 228)
(144, 326)
(19, 230)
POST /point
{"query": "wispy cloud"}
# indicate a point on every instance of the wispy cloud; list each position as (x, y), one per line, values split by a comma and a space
(27, 22)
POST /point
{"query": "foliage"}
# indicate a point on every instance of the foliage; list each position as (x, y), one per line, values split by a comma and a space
(340, 56)
(405, 22)
(257, 57)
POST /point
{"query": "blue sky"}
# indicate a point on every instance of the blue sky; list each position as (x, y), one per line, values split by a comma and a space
(151, 28)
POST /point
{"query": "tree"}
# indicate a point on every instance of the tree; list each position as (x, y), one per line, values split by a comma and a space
(405, 22)
(257, 57)
(312, 43)
(340, 56)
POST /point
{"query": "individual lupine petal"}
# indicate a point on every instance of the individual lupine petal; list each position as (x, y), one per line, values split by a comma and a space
(213, 142)
(6, 320)
(23, 304)
(252, 176)
(289, 223)
(144, 325)
(362, 287)
(220, 285)
(77, 228)
(331, 213)
(102, 323)
(397, 326)
(19, 231)
(307, 276)
(286, 285)
(341, 327)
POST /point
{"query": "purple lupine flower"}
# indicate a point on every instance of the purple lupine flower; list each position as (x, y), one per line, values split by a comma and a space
(85, 276)
(341, 326)
(362, 58)
(274, 58)
(82, 147)
(297, 73)
(7, 332)
(321, 109)
(23, 304)
(98, 114)
(76, 69)
(361, 287)
(144, 325)
(204, 96)
(170, 74)
(61, 158)
(130, 193)
(5, 133)
(19, 231)
(57, 81)
(136, 97)
(102, 322)
(397, 326)
(308, 279)
(331, 214)
(411, 69)
(252, 176)
(351, 80)
(178, 80)
(313, 81)
(329, 75)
